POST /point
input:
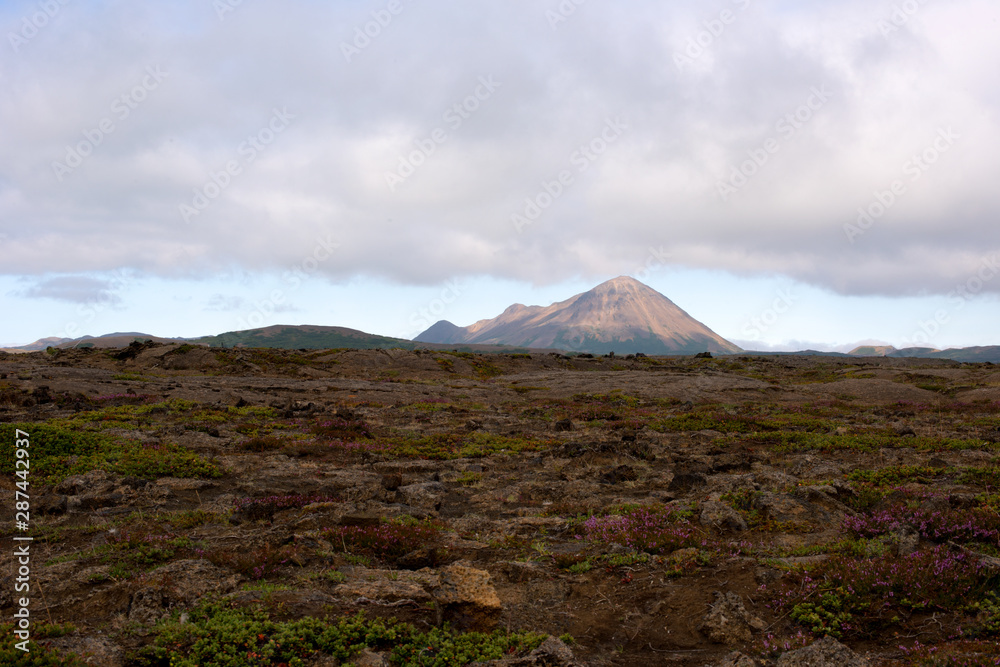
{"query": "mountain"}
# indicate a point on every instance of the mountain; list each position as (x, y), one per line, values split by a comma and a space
(872, 351)
(303, 337)
(970, 355)
(622, 315)
(311, 337)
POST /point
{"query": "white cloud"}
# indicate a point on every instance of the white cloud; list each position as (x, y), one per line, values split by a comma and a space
(658, 185)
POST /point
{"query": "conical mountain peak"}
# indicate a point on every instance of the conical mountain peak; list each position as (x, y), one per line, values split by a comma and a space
(621, 315)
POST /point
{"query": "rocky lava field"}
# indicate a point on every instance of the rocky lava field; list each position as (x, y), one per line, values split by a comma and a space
(195, 506)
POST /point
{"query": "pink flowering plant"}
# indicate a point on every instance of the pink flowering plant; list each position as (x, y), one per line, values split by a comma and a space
(856, 596)
(653, 530)
(386, 541)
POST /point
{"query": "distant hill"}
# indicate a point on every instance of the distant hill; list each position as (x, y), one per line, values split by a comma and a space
(872, 351)
(105, 341)
(622, 315)
(969, 355)
(989, 353)
(304, 337)
(310, 337)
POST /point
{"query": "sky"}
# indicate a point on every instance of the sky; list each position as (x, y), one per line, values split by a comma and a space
(793, 174)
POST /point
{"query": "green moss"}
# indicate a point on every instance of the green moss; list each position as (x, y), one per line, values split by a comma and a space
(216, 635)
(58, 452)
(38, 655)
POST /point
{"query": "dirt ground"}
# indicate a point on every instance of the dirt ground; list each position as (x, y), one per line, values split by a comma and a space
(524, 470)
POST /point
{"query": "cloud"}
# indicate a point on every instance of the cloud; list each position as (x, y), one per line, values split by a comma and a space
(223, 303)
(73, 289)
(755, 152)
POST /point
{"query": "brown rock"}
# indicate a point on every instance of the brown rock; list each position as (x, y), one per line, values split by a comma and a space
(383, 590)
(729, 621)
(467, 599)
(552, 653)
(146, 606)
(717, 514)
(426, 495)
(737, 659)
(827, 652)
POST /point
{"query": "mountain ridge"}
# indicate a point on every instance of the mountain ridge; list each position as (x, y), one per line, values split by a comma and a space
(620, 315)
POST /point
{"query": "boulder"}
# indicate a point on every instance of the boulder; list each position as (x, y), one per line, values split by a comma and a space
(146, 606)
(426, 495)
(552, 653)
(736, 659)
(188, 580)
(827, 652)
(729, 621)
(467, 599)
(717, 514)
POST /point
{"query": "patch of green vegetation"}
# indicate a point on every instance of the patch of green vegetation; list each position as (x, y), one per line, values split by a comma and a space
(38, 655)
(127, 416)
(825, 617)
(987, 613)
(427, 407)
(58, 452)
(216, 635)
(130, 552)
(188, 519)
(469, 478)
(445, 446)
(744, 501)
(898, 475)
(485, 368)
(788, 442)
(131, 377)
